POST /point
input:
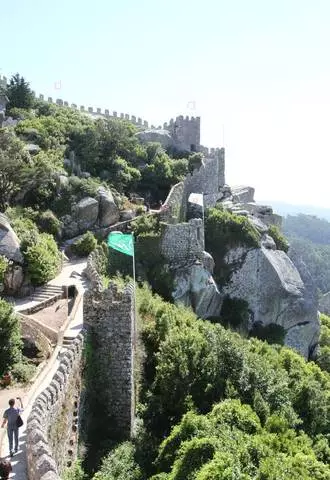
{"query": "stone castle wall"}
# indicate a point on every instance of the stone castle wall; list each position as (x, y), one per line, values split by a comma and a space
(110, 322)
(183, 243)
(172, 207)
(52, 426)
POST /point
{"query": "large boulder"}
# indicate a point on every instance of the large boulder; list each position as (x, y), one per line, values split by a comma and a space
(156, 135)
(271, 284)
(108, 210)
(86, 213)
(13, 279)
(9, 243)
(242, 194)
(195, 287)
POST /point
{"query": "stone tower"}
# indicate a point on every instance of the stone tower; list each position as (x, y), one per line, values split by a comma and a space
(185, 133)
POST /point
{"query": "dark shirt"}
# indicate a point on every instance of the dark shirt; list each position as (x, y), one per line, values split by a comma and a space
(11, 415)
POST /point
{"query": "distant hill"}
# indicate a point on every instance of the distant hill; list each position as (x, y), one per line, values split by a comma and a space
(284, 209)
(309, 238)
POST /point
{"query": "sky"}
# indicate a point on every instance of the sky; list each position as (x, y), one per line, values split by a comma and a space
(257, 72)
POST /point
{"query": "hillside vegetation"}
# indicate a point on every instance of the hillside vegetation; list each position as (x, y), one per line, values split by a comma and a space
(217, 406)
(309, 239)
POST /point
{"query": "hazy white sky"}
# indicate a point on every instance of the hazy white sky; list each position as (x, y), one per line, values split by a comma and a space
(261, 68)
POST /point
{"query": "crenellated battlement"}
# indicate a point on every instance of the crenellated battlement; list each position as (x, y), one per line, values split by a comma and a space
(185, 131)
(97, 112)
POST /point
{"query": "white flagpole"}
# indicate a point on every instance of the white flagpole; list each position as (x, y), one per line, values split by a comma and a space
(134, 292)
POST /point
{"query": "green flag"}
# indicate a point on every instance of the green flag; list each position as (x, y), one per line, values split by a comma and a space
(123, 242)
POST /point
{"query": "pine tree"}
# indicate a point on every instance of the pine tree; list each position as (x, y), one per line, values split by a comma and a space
(19, 93)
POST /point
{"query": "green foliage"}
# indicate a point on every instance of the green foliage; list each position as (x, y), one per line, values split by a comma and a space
(223, 231)
(195, 162)
(19, 93)
(49, 223)
(10, 340)
(13, 161)
(84, 245)
(22, 372)
(75, 472)
(43, 259)
(234, 312)
(272, 333)
(120, 465)
(3, 267)
(278, 237)
(323, 356)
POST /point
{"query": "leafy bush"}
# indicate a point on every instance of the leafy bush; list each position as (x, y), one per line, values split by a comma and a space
(75, 472)
(272, 333)
(3, 267)
(279, 239)
(23, 371)
(234, 312)
(10, 339)
(49, 223)
(120, 465)
(43, 259)
(84, 245)
(223, 231)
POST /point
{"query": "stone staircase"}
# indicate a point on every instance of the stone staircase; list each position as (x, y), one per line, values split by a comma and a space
(46, 292)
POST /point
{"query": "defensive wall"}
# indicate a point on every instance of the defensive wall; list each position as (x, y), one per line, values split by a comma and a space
(52, 426)
(109, 318)
(183, 242)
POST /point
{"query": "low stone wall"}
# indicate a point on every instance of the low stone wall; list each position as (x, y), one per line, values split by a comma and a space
(52, 426)
(43, 304)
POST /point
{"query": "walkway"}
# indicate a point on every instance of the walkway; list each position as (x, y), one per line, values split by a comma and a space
(71, 275)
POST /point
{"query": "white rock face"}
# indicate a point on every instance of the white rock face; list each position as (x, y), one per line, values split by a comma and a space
(196, 288)
(271, 284)
(154, 135)
(108, 210)
(9, 243)
(86, 213)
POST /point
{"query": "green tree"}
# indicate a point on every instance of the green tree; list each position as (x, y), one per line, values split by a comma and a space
(10, 339)
(19, 93)
(13, 161)
(43, 259)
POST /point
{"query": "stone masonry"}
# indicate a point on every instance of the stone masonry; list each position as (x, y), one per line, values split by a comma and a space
(52, 426)
(110, 321)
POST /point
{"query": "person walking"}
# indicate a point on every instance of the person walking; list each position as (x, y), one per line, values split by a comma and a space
(10, 417)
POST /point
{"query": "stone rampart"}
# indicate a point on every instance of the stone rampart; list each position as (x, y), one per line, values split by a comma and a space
(52, 426)
(98, 112)
(172, 207)
(109, 318)
(92, 273)
(183, 243)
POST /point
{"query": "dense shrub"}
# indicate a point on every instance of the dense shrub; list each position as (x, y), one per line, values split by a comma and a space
(75, 472)
(84, 245)
(49, 223)
(23, 372)
(272, 333)
(10, 340)
(120, 465)
(279, 239)
(43, 259)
